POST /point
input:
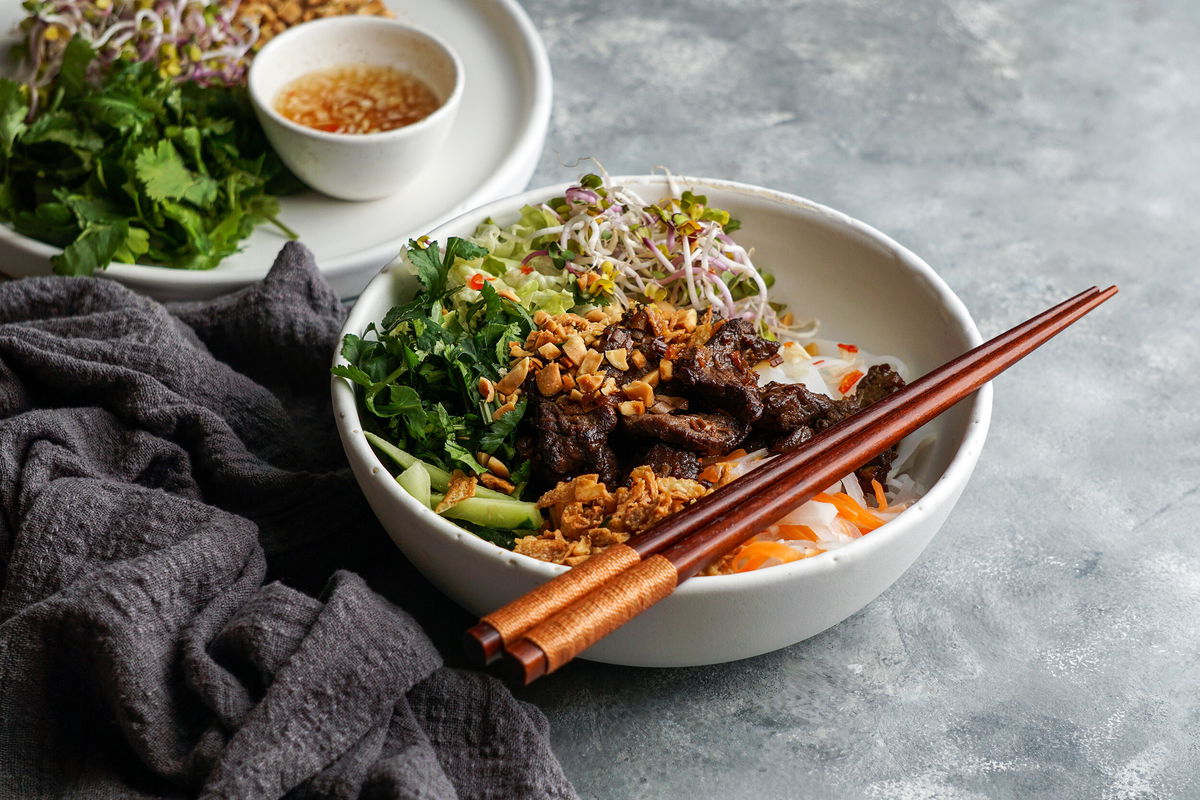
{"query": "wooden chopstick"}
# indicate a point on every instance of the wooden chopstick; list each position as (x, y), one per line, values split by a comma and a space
(486, 640)
(563, 635)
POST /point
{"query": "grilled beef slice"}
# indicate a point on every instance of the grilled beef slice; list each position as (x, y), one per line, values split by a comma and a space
(671, 462)
(791, 440)
(722, 370)
(787, 406)
(571, 440)
(706, 434)
(879, 382)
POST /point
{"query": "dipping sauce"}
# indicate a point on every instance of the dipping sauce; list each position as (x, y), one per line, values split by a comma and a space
(356, 98)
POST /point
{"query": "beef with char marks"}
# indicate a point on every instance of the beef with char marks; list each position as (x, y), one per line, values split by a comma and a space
(570, 439)
(671, 462)
(721, 371)
(710, 434)
(787, 406)
(791, 440)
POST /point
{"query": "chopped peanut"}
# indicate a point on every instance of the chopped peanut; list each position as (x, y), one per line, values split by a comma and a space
(540, 318)
(638, 359)
(549, 380)
(515, 377)
(575, 349)
(568, 382)
(632, 408)
(666, 369)
(688, 319)
(651, 377)
(590, 362)
(272, 17)
(589, 383)
(502, 410)
(487, 390)
(549, 351)
(618, 358)
(576, 395)
(597, 315)
(497, 466)
(639, 390)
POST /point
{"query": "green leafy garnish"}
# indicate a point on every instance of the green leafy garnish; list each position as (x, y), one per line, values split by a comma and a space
(134, 166)
(419, 370)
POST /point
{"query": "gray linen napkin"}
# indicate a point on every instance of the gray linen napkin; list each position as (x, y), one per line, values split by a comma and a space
(157, 467)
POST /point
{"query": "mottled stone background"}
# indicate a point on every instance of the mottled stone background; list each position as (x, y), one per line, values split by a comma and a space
(1046, 643)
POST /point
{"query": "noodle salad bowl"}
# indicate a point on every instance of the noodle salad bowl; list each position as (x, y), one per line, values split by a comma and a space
(863, 288)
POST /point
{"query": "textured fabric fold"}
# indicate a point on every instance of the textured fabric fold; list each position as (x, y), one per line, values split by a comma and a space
(176, 619)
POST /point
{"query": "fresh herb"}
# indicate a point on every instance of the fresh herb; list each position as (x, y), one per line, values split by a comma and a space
(132, 165)
(419, 371)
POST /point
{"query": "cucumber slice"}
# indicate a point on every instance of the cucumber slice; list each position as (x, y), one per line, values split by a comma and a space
(415, 481)
(439, 479)
(492, 513)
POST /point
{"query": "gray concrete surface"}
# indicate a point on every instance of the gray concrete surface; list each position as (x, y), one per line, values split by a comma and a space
(1045, 645)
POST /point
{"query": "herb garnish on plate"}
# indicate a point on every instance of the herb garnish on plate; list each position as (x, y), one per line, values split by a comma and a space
(130, 165)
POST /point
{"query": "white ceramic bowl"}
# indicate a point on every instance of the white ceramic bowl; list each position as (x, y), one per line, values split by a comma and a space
(865, 288)
(356, 166)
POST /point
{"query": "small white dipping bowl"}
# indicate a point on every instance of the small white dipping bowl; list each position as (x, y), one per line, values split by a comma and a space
(866, 289)
(355, 166)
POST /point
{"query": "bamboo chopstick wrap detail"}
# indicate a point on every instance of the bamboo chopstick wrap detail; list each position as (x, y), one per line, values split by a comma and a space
(523, 613)
(570, 632)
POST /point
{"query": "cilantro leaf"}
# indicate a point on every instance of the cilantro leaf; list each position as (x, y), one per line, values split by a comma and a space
(428, 261)
(353, 373)
(165, 177)
(62, 127)
(465, 249)
(463, 457)
(93, 250)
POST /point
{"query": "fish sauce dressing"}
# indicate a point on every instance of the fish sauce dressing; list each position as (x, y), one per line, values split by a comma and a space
(357, 98)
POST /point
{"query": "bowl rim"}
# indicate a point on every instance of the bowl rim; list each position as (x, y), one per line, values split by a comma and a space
(314, 28)
(944, 490)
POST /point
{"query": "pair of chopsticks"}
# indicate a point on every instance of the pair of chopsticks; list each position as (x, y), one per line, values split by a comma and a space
(552, 624)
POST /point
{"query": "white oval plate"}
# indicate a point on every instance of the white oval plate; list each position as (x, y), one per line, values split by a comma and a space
(492, 152)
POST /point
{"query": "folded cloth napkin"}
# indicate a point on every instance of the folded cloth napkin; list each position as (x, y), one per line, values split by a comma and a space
(160, 469)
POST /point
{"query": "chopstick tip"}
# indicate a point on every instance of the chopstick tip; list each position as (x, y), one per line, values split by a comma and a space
(482, 643)
(523, 663)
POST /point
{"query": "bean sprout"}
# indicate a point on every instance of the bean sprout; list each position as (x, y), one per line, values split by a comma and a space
(189, 40)
(676, 251)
